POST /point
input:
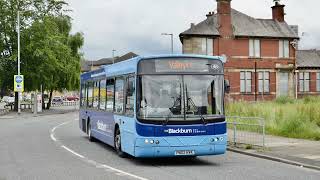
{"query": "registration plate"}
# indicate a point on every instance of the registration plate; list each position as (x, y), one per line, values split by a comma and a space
(185, 152)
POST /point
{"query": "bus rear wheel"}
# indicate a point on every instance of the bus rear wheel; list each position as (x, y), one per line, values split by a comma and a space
(117, 143)
(91, 138)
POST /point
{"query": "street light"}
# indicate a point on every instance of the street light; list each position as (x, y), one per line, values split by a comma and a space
(169, 34)
(113, 51)
(18, 30)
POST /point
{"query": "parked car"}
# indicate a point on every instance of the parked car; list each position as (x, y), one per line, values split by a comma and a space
(72, 98)
(57, 100)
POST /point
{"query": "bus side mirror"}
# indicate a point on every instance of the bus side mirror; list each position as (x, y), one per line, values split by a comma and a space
(227, 86)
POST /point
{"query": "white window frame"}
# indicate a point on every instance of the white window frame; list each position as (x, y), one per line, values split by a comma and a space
(264, 81)
(245, 82)
(304, 82)
(284, 50)
(255, 48)
(206, 46)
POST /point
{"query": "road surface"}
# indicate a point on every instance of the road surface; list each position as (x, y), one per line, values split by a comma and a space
(53, 147)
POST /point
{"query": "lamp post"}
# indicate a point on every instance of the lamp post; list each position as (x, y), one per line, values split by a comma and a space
(113, 51)
(18, 31)
(169, 34)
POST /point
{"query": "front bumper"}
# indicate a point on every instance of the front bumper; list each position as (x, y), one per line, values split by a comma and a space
(167, 146)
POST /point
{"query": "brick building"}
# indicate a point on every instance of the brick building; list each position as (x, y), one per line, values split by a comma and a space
(261, 52)
(308, 70)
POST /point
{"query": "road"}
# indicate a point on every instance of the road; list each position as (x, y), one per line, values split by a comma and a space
(52, 147)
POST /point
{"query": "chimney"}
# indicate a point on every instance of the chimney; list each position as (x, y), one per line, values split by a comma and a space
(210, 14)
(224, 17)
(192, 25)
(278, 12)
(224, 27)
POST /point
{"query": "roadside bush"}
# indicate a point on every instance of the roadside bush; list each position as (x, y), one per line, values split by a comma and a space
(284, 100)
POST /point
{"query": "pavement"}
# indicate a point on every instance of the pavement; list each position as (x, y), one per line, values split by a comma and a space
(51, 146)
(299, 152)
(29, 113)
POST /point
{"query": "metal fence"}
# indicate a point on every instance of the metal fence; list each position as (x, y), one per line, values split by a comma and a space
(246, 131)
(65, 103)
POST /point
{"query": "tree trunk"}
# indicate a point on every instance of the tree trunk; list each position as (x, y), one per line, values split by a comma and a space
(50, 99)
(42, 98)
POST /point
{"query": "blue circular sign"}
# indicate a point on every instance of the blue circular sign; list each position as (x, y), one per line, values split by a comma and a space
(19, 79)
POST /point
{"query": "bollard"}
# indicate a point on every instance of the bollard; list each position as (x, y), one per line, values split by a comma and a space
(263, 133)
(234, 132)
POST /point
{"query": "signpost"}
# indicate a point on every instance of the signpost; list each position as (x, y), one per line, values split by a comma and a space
(18, 83)
(18, 87)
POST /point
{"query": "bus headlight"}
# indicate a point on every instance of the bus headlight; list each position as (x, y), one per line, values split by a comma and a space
(214, 139)
(146, 141)
(151, 141)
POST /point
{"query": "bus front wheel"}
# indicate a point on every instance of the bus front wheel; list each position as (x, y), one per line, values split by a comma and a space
(117, 143)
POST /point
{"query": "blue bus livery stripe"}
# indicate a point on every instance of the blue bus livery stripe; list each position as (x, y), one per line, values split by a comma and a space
(182, 130)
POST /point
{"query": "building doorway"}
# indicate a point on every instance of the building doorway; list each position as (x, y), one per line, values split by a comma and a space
(283, 84)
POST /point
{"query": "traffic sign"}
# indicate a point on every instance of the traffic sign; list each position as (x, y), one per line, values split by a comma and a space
(18, 83)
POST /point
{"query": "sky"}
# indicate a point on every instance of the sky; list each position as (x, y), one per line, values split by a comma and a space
(136, 25)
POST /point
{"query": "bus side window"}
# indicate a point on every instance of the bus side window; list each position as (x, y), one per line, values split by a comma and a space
(83, 95)
(103, 95)
(90, 94)
(130, 93)
(96, 95)
(119, 95)
(110, 95)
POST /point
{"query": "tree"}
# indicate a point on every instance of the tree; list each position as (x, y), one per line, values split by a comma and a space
(56, 54)
(50, 54)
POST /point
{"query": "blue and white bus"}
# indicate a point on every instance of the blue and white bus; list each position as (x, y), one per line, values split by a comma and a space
(157, 106)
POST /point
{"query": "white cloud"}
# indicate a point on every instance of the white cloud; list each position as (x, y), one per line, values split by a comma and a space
(136, 25)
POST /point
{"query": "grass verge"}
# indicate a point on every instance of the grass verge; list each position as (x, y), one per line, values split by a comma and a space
(284, 116)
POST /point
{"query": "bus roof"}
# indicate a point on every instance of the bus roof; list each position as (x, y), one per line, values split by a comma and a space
(130, 65)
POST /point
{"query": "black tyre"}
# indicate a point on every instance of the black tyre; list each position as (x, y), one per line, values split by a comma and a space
(117, 143)
(91, 139)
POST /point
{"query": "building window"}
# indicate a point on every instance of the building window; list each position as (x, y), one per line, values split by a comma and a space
(304, 82)
(284, 49)
(264, 82)
(203, 46)
(206, 46)
(318, 81)
(245, 82)
(254, 48)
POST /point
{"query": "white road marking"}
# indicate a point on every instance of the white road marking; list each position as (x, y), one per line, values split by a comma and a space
(92, 162)
(53, 138)
(79, 155)
(123, 172)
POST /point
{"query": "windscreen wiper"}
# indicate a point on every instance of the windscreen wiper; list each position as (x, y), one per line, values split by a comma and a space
(194, 106)
(165, 122)
(199, 113)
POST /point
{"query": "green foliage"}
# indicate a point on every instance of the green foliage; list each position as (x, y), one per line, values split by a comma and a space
(49, 53)
(289, 118)
(284, 100)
